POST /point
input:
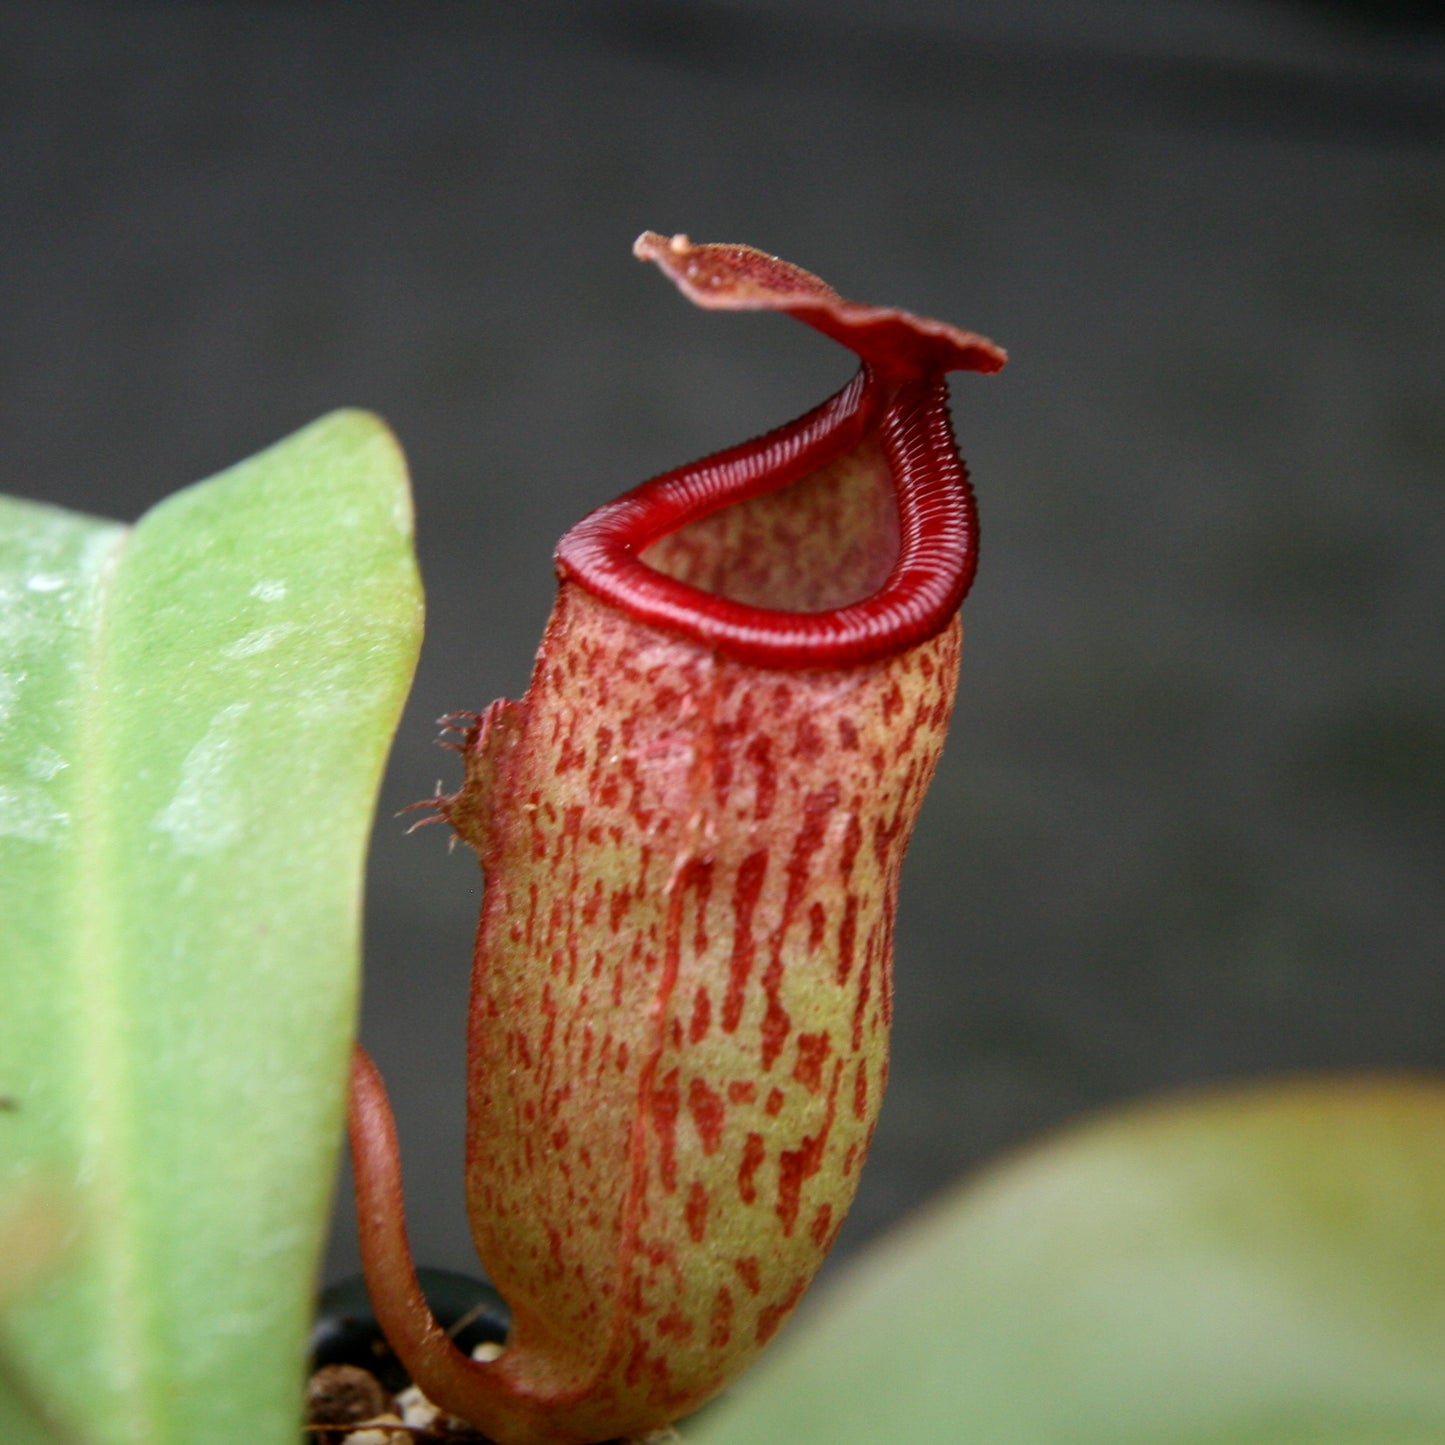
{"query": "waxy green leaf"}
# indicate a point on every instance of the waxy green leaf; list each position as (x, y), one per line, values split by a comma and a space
(194, 715)
(1262, 1266)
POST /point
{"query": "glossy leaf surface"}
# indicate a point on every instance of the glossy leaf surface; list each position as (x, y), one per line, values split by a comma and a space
(196, 712)
(1254, 1267)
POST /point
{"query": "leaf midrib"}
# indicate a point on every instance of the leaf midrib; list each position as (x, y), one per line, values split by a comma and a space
(103, 1062)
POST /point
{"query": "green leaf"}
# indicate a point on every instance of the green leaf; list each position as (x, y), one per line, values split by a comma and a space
(194, 715)
(1263, 1266)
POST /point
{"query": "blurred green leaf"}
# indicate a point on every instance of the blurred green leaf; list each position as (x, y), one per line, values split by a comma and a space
(194, 715)
(22, 1419)
(1262, 1266)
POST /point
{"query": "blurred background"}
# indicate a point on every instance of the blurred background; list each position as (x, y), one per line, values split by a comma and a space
(1189, 822)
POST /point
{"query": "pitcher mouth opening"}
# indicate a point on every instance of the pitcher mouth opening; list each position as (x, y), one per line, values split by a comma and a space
(843, 537)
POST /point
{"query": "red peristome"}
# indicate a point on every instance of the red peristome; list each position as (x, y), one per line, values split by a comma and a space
(692, 827)
(898, 399)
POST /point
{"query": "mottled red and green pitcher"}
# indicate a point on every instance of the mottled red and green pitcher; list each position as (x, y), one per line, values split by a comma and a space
(691, 828)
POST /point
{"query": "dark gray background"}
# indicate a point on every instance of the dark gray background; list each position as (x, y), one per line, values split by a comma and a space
(1188, 823)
